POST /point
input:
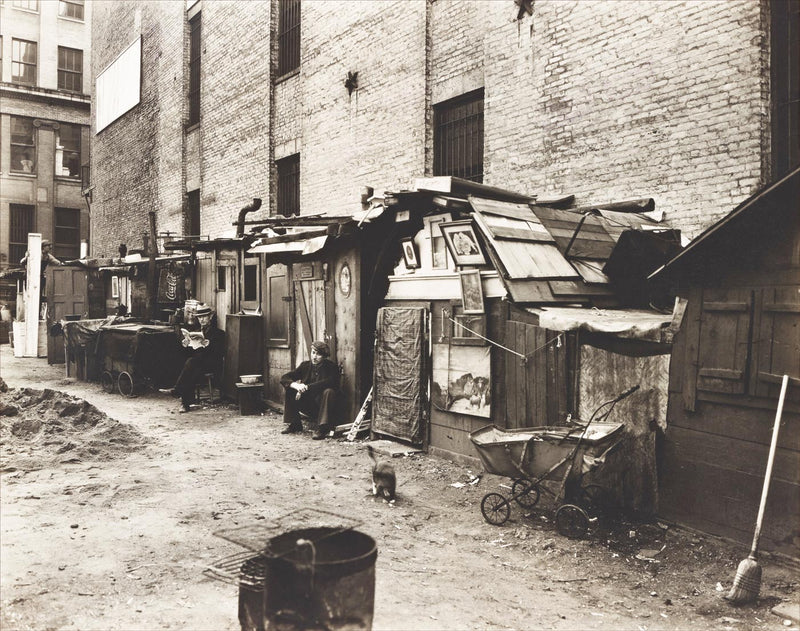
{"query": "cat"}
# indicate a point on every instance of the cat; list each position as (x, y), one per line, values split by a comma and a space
(384, 479)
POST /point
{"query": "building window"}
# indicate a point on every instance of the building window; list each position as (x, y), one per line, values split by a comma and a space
(250, 289)
(23, 62)
(23, 221)
(70, 9)
(289, 185)
(67, 233)
(785, 54)
(30, 5)
(194, 69)
(68, 150)
(23, 145)
(278, 311)
(458, 137)
(193, 213)
(70, 69)
(288, 36)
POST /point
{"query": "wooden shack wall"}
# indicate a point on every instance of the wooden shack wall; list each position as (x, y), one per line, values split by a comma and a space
(720, 421)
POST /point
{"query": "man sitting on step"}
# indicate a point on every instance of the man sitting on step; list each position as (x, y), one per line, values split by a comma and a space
(312, 388)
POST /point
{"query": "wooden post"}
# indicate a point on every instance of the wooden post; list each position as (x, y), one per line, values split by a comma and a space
(152, 289)
(34, 281)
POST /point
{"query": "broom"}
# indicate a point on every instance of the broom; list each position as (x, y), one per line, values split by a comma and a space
(747, 583)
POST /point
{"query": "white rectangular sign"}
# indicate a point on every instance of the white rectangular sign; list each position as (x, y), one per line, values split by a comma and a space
(118, 87)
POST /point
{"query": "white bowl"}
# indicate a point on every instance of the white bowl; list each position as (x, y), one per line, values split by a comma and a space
(250, 378)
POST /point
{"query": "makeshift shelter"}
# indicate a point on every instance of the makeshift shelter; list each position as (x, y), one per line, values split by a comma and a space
(740, 335)
(481, 263)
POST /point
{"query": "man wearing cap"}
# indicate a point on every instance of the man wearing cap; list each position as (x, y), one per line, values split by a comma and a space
(206, 346)
(311, 388)
(47, 258)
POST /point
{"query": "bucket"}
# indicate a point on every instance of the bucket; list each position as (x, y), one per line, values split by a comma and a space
(314, 578)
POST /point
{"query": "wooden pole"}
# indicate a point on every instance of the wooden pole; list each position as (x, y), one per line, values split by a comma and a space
(152, 289)
(34, 281)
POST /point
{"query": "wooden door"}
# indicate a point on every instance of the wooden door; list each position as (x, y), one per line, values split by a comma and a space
(66, 295)
(536, 387)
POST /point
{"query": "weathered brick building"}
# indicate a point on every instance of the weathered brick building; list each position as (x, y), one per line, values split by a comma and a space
(605, 100)
(45, 87)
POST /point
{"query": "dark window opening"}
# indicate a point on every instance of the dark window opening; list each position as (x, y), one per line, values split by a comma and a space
(68, 151)
(71, 9)
(289, 185)
(22, 221)
(288, 36)
(70, 69)
(23, 62)
(458, 137)
(785, 57)
(250, 283)
(278, 312)
(67, 233)
(194, 69)
(23, 145)
(222, 278)
(193, 213)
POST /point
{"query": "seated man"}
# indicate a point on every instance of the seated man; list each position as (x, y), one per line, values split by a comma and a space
(311, 388)
(205, 344)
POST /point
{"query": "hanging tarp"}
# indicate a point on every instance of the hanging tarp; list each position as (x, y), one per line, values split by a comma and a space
(635, 324)
(399, 404)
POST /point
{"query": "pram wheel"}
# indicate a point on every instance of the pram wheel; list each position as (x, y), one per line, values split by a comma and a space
(496, 509)
(527, 499)
(125, 384)
(572, 521)
(107, 382)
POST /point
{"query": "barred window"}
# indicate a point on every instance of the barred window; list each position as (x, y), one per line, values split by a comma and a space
(67, 233)
(288, 36)
(785, 79)
(70, 69)
(23, 62)
(70, 9)
(194, 69)
(22, 221)
(289, 185)
(458, 137)
(23, 145)
(68, 150)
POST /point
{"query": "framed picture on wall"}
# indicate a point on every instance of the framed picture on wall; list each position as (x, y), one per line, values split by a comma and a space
(462, 242)
(115, 286)
(410, 255)
(471, 291)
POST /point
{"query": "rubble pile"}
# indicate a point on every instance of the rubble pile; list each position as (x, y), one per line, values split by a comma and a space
(40, 428)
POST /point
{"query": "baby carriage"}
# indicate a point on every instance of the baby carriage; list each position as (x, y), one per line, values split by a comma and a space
(559, 455)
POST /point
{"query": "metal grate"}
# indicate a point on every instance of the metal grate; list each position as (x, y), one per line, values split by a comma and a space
(458, 137)
(194, 69)
(288, 36)
(22, 221)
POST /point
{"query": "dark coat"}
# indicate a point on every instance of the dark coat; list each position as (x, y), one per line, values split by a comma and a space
(328, 376)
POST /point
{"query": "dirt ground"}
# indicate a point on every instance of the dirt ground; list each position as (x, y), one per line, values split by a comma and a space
(110, 505)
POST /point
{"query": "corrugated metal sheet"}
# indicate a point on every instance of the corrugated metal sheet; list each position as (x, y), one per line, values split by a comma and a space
(525, 259)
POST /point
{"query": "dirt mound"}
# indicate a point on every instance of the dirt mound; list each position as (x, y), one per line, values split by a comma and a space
(40, 428)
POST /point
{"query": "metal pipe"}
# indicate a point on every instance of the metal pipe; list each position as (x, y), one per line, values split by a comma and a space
(255, 205)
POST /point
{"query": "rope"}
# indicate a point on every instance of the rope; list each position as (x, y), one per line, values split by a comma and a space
(522, 356)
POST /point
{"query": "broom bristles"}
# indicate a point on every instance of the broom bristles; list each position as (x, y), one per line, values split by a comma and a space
(747, 582)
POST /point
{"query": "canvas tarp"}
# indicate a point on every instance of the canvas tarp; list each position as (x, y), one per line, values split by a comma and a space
(398, 408)
(633, 324)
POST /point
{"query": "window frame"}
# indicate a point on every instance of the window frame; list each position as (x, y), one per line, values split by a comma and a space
(289, 19)
(195, 61)
(63, 249)
(276, 272)
(193, 215)
(18, 4)
(70, 73)
(69, 4)
(246, 301)
(288, 185)
(15, 62)
(456, 150)
(16, 212)
(72, 151)
(32, 148)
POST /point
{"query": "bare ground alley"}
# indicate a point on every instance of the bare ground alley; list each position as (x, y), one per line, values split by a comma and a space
(108, 522)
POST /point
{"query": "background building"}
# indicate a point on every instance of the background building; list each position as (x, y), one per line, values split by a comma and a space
(44, 126)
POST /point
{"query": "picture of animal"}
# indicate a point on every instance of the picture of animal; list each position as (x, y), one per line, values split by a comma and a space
(384, 478)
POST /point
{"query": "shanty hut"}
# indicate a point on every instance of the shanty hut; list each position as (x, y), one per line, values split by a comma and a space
(740, 335)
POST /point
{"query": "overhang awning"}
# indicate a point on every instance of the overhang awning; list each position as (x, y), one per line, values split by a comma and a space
(301, 246)
(632, 324)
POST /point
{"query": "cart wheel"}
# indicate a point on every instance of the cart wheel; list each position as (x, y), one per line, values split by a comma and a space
(107, 381)
(594, 497)
(495, 508)
(572, 521)
(527, 499)
(125, 384)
